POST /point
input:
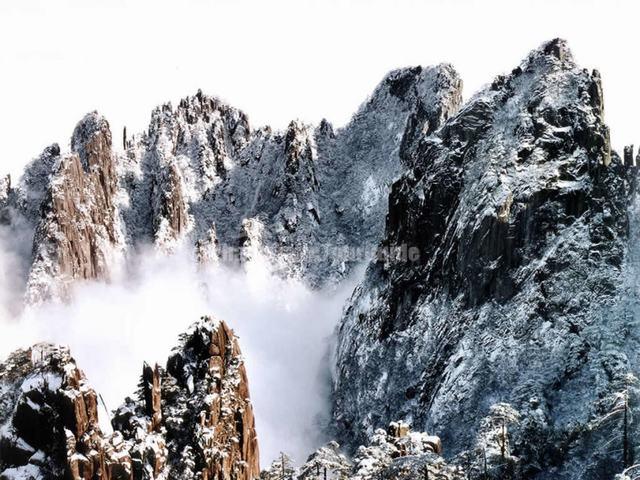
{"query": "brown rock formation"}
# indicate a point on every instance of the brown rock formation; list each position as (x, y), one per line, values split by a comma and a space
(77, 229)
(208, 369)
(207, 248)
(50, 418)
(192, 420)
(151, 394)
(169, 206)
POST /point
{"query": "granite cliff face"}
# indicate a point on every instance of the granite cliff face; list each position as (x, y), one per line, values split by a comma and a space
(194, 418)
(49, 417)
(191, 420)
(71, 201)
(519, 212)
(499, 314)
(311, 195)
(308, 193)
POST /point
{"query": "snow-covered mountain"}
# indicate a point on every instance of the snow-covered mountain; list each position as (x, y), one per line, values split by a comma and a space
(307, 198)
(519, 212)
(497, 316)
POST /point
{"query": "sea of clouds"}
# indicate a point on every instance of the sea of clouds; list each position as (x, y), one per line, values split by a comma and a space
(284, 328)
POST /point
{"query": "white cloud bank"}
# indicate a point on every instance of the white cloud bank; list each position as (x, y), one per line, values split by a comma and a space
(112, 328)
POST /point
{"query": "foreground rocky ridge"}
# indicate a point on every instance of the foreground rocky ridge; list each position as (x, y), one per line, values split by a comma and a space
(520, 213)
(191, 420)
(306, 198)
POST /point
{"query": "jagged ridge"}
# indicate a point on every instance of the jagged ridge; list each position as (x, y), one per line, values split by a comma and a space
(306, 198)
(191, 420)
(520, 215)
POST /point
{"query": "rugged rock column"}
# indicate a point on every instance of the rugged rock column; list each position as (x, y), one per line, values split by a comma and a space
(77, 233)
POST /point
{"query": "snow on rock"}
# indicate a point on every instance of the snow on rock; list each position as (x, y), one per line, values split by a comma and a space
(317, 192)
(314, 190)
(328, 462)
(194, 418)
(397, 452)
(78, 230)
(519, 212)
(49, 420)
(191, 420)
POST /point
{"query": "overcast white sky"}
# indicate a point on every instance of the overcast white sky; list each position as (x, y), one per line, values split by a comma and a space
(278, 60)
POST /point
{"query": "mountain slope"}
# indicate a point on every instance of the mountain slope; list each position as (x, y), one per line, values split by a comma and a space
(191, 420)
(519, 214)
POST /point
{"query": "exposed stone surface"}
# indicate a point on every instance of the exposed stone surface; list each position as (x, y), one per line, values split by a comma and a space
(512, 335)
(628, 156)
(318, 193)
(49, 418)
(207, 248)
(77, 230)
(520, 215)
(192, 420)
(314, 190)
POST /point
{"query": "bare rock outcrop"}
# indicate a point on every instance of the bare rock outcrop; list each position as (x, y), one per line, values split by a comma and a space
(523, 292)
(49, 417)
(78, 229)
(194, 418)
(319, 193)
(191, 420)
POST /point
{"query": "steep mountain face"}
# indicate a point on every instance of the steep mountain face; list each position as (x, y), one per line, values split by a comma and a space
(516, 213)
(194, 419)
(191, 420)
(306, 198)
(49, 417)
(499, 314)
(68, 202)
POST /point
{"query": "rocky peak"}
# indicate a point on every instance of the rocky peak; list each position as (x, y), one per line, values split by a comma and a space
(549, 125)
(628, 156)
(200, 164)
(91, 140)
(207, 252)
(169, 206)
(201, 122)
(49, 417)
(5, 188)
(34, 183)
(298, 150)
(519, 215)
(558, 48)
(192, 420)
(151, 395)
(78, 229)
(326, 129)
(5, 191)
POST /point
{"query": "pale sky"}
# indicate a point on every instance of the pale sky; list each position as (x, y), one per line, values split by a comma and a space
(279, 60)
